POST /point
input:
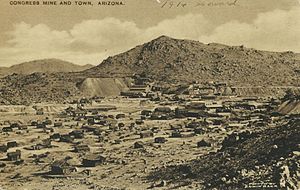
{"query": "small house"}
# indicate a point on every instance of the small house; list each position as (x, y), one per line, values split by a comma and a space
(163, 109)
(15, 125)
(160, 140)
(82, 148)
(204, 143)
(3, 148)
(7, 129)
(77, 134)
(47, 122)
(58, 124)
(176, 134)
(146, 134)
(146, 112)
(41, 125)
(40, 112)
(120, 116)
(55, 136)
(14, 156)
(93, 160)
(66, 138)
(199, 130)
(138, 144)
(23, 127)
(61, 167)
(139, 122)
(78, 113)
(34, 123)
(121, 125)
(12, 144)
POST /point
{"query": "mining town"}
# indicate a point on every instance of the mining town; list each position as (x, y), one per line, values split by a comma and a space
(137, 129)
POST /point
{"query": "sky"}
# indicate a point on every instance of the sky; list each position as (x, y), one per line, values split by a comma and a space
(89, 34)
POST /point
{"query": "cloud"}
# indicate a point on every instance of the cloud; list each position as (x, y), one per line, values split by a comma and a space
(91, 41)
(108, 33)
(184, 26)
(275, 31)
(38, 37)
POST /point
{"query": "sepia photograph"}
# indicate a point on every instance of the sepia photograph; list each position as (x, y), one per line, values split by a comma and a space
(150, 94)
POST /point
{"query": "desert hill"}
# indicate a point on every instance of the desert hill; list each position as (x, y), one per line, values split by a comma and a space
(168, 59)
(164, 60)
(43, 66)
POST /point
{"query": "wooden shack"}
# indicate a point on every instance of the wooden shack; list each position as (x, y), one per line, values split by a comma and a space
(61, 167)
(146, 134)
(12, 144)
(14, 156)
(93, 160)
(82, 148)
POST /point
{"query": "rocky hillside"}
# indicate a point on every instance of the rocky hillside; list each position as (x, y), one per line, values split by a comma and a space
(43, 66)
(37, 87)
(270, 156)
(168, 59)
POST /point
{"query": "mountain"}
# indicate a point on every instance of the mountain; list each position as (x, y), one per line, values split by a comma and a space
(164, 60)
(43, 66)
(173, 60)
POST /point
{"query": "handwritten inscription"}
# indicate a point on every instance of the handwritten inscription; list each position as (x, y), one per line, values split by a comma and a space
(200, 3)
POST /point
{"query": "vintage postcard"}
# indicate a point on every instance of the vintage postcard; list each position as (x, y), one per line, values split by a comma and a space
(149, 94)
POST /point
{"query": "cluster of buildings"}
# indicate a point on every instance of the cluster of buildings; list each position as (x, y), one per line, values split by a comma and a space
(190, 111)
